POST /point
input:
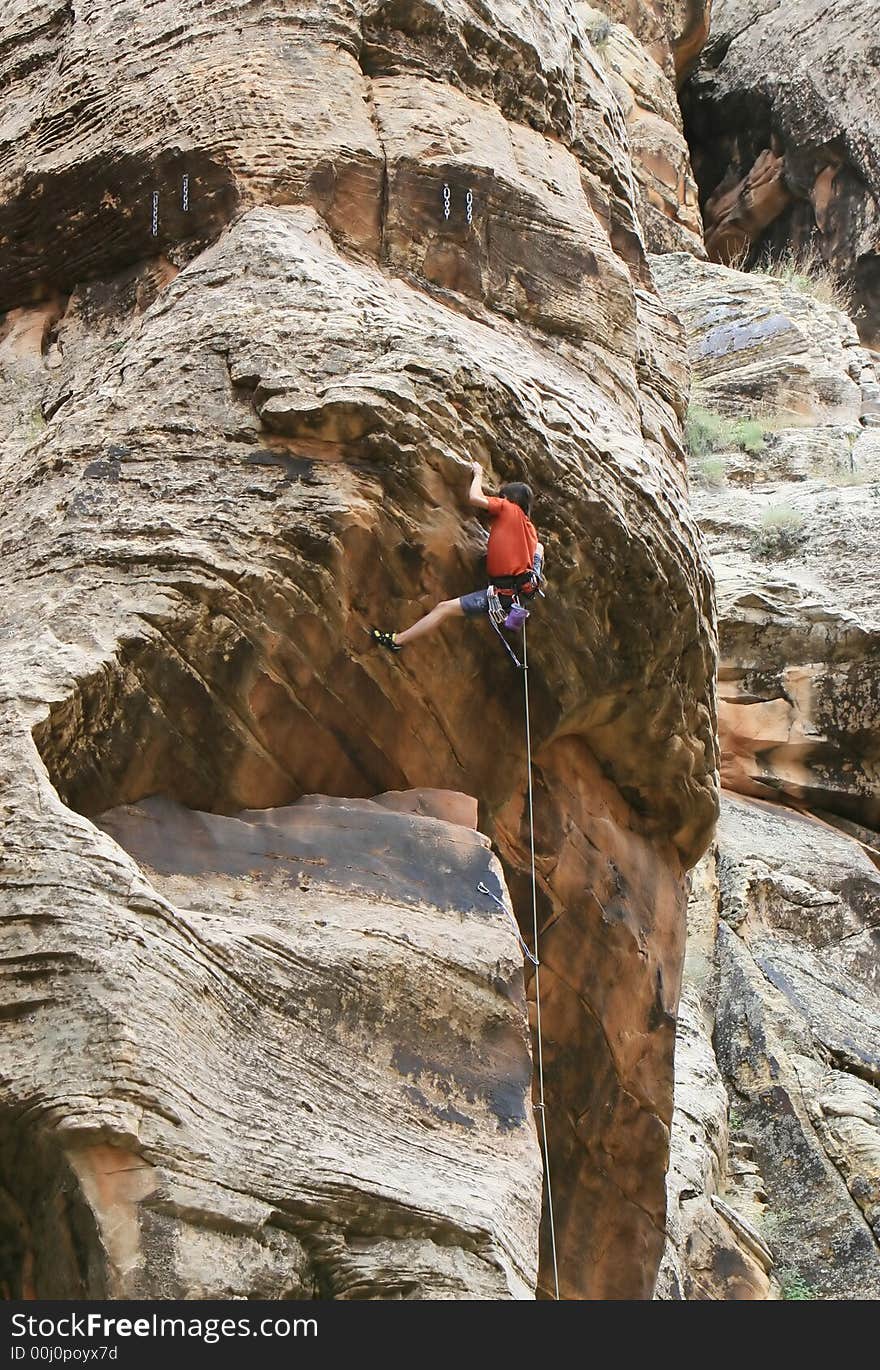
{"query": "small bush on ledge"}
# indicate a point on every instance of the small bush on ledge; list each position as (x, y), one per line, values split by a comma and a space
(711, 471)
(780, 534)
(706, 432)
(792, 1284)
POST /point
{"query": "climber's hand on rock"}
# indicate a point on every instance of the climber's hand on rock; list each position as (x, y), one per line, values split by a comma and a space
(475, 493)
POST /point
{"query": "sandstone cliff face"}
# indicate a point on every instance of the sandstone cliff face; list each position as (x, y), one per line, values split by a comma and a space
(776, 1141)
(642, 75)
(776, 1138)
(782, 121)
(717, 1206)
(230, 446)
(672, 31)
(792, 527)
(281, 1055)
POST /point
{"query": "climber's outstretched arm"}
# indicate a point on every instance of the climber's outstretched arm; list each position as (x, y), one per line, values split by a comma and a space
(475, 494)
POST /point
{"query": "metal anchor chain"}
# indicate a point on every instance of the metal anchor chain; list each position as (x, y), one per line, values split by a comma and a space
(468, 204)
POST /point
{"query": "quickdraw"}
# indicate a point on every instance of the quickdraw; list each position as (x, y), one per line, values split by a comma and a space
(524, 946)
(499, 616)
(506, 609)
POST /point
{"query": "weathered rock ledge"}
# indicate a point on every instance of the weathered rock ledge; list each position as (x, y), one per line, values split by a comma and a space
(290, 1058)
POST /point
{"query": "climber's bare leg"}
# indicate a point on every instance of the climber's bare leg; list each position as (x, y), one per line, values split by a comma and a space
(447, 608)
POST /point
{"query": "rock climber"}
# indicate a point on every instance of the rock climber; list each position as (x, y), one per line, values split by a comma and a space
(514, 562)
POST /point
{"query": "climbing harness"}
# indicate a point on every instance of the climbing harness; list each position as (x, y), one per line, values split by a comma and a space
(540, 1106)
(512, 614)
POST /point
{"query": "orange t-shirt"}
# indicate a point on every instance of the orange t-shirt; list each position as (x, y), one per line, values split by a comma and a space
(512, 539)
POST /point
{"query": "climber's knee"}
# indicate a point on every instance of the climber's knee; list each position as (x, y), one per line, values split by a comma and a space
(450, 606)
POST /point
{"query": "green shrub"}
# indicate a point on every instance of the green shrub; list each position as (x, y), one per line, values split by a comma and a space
(748, 435)
(703, 431)
(31, 425)
(793, 1284)
(711, 471)
(860, 477)
(706, 432)
(781, 532)
(769, 1226)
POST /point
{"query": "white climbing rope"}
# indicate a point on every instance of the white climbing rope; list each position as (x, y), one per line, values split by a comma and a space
(539, 1106)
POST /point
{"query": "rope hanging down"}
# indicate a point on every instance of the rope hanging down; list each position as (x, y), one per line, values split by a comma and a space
(539, 1106)
(533, 957)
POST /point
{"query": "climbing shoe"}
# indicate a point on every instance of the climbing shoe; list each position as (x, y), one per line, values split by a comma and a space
(384, 639)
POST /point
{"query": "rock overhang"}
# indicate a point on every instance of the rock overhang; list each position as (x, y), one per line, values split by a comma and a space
(357, 521)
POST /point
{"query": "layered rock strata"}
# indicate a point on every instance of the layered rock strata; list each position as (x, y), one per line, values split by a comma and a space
(717, 1208)
(773, 1175)
(222, 463)
(792, 528)
(292, 1058)
(645, 89)
(672, 32)
(776, 1144)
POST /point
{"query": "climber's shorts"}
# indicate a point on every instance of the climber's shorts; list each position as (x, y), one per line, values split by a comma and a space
(474, 604)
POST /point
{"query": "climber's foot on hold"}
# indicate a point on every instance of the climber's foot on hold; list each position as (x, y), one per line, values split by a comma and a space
(384, 639)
